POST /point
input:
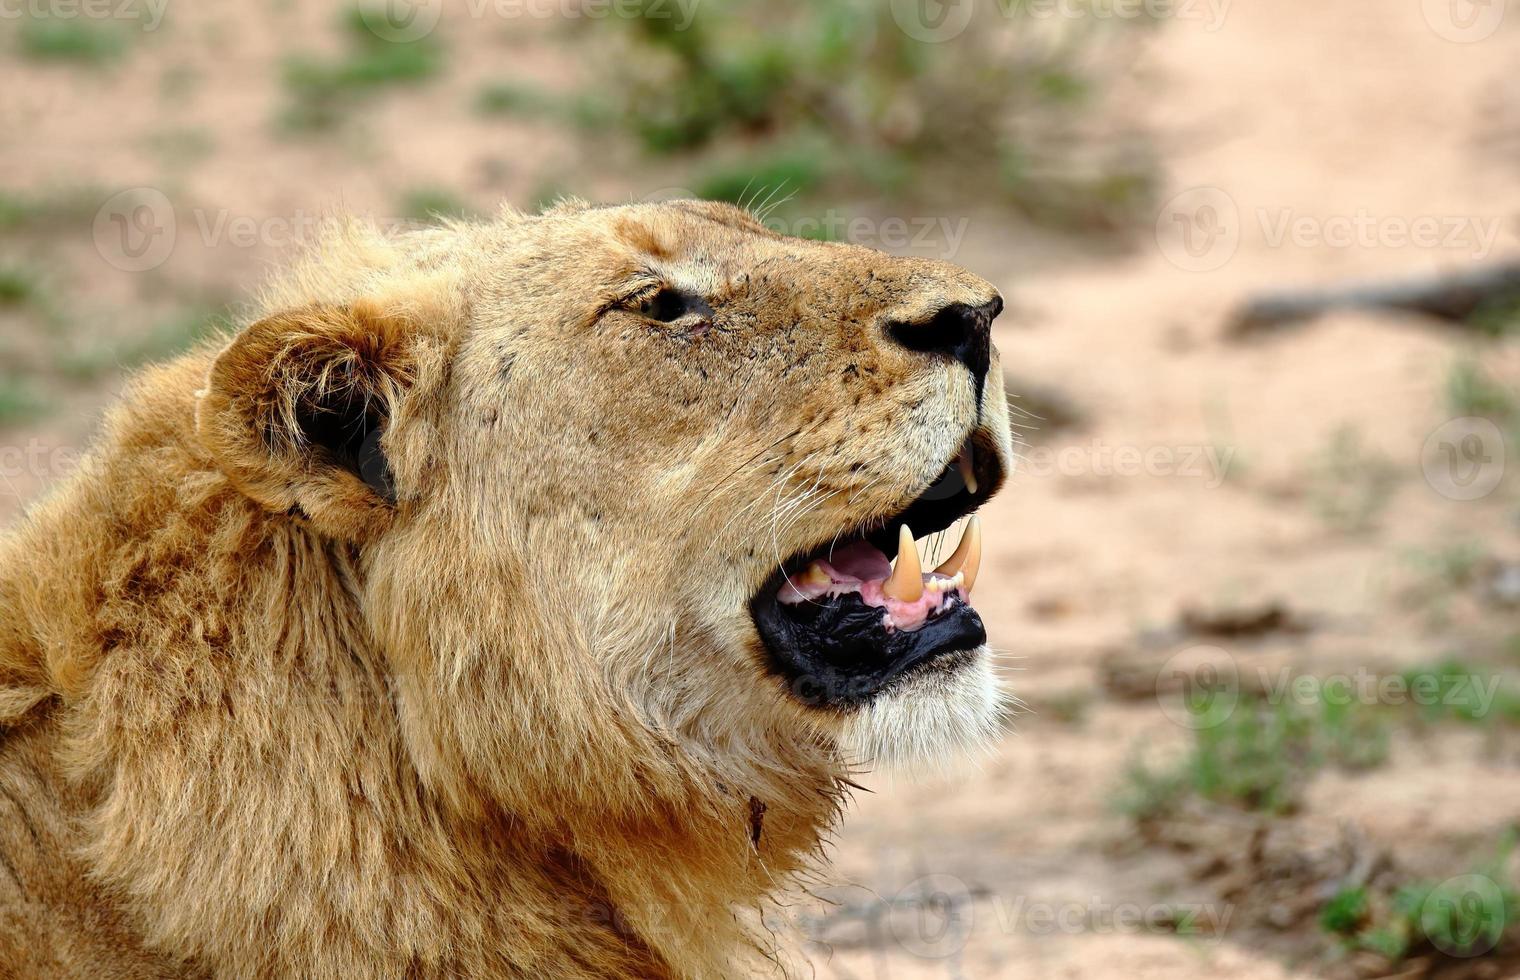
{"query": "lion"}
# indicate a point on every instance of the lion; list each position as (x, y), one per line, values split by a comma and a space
(508, 598)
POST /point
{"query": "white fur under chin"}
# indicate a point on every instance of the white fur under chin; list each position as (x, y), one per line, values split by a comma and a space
(930, 723)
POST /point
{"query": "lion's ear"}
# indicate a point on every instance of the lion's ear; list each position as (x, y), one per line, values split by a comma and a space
(298, 409)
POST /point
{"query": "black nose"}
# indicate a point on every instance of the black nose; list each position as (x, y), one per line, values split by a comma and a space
(960, 331)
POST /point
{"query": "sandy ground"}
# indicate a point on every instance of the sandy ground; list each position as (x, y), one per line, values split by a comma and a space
(1140, 343)
(1291, 111)
(1198, 477)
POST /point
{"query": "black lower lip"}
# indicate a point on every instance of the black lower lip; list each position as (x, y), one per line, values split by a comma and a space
(837, 653)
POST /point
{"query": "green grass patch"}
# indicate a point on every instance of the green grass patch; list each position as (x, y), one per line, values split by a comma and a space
(161, 341)
(1460, 917)
(1472, 391)
(18, 401)
(1254, 758)
(1346, 912)
(884, 113)
(432, 203)
(1352, 736)
(19, 286)
(516, 99)
(1454, 690)
(181, 146)
(762, 182)
(1068, 707)
(1149, 793)
(50, 211)
(1451, 566)
(76, 40)
(1498, 316)
(1256, 755)
(1349, 485)
(321, 93)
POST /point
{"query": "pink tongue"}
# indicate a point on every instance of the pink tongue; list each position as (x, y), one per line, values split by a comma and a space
(860, 560)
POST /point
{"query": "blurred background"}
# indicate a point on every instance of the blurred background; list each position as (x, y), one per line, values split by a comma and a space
(1257, 580)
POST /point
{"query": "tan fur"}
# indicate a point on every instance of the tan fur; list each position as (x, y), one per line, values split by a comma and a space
(255, 721)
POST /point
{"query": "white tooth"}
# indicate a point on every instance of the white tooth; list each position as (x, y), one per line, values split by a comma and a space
(968, 555)
(968, 471)
(907, 581)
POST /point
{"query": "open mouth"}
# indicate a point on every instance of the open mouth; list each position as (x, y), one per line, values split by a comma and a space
(844, 622)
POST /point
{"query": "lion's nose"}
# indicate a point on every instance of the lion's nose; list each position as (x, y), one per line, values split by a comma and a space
(959, 331)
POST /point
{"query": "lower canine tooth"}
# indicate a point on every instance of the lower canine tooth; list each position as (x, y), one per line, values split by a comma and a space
(907, 581)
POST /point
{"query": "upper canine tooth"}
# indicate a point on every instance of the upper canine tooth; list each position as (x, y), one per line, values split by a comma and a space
(968, 472)
(907, 581)
(968, 554)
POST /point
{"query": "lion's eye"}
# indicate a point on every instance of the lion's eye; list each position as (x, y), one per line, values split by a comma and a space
(668, 305)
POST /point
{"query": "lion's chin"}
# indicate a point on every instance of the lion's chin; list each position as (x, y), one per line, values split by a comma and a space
(930, 720)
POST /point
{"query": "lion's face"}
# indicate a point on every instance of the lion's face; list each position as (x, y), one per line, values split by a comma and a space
(658, 482)
(660, 412)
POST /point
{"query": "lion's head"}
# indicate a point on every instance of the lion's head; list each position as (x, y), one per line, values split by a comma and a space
(624, 483)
